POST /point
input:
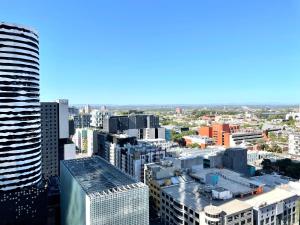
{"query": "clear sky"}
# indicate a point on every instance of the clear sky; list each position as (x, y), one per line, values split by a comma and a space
(165, 51)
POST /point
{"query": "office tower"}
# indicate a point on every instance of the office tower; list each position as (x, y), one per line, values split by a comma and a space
(95, 192)
(55, 135)
(23, 194)
(49, 121)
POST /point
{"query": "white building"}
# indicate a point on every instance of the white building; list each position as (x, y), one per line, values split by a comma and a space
(274, 207)
(233, 212)
(242, 138)
(255, 157)
(293, 115)
(294, 144)
(97, 117)
(94, 192)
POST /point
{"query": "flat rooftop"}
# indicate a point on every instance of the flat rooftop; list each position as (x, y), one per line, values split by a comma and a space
(229, 180)
(235, 206)
(272, 181)
(270, 197)
(187, 194)
(97, 176)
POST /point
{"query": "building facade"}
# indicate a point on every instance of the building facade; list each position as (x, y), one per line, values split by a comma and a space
(22, 191)
(119, 124)
(294, 144)
(94, 192)
(55, 136)
(274, 207)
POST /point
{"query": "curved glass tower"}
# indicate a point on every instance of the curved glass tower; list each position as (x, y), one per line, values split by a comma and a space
(20, 129)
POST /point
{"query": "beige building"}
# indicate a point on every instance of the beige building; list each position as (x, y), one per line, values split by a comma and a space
(230, 213)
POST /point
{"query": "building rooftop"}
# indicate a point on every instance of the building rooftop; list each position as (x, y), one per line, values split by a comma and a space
(272, 181)
(188, 194)
(235, 206)
(229, 180)
(98, 177)
(270, 197)
(194, 152)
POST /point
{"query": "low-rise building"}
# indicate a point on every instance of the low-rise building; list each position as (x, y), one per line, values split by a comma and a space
(274, 207)
(202, 142)
(294, 144)
(161, 174)
(230, 213)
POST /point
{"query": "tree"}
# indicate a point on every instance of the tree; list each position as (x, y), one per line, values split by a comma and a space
(267, 165)
(194, 145)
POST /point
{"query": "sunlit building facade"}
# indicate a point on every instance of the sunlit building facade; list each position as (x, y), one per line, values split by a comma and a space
(94, 192)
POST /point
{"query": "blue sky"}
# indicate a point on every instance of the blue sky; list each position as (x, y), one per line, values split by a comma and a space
(165, 51)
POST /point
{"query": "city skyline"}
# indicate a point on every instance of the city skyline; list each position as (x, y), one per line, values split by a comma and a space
(160, 53)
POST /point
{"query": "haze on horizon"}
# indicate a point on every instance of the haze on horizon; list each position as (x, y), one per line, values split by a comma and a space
(165, 52)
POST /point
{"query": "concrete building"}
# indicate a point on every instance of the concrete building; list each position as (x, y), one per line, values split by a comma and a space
(202, 142)
(180, 204)
(233, 212)
(97, 118)
(165, 173)
(82, 121)
(22, 192)
(294, 144)
(226, 184)
(147, 133)
(55, 135)
(132, 158)
(119, 124)
(236, 159)
(242, 138)
(212, 157)
(255, 157)
(201, 200)
(107, 143)
(229, 135)
(93, 192)
(274, 207)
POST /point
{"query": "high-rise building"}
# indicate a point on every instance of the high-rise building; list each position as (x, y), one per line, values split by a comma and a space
(49, 121)
(23, 194)
(94, 192)
(20, 135)
(55, 135)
